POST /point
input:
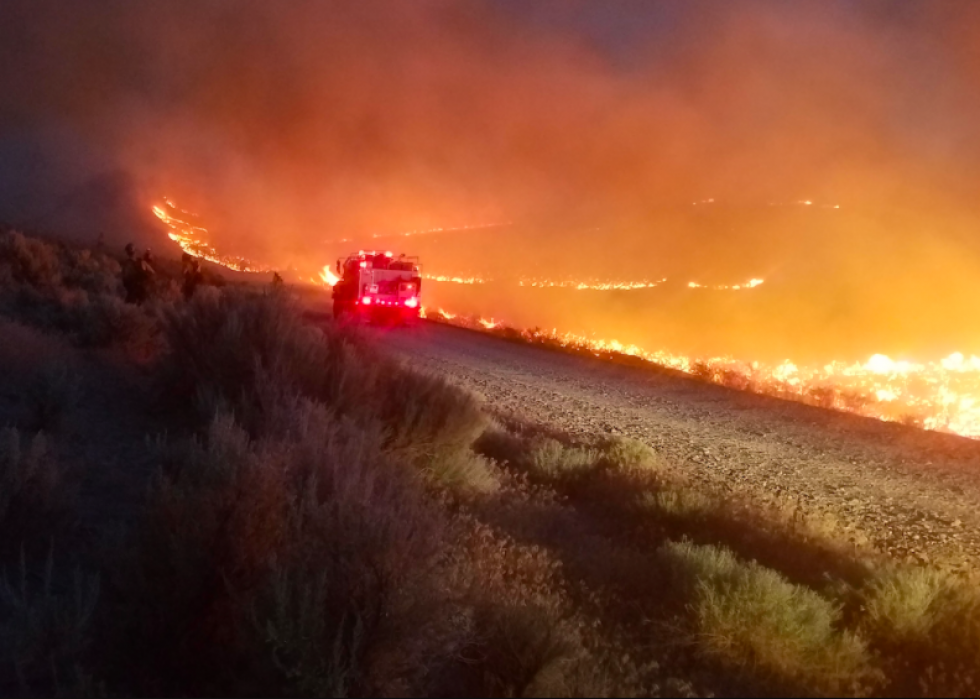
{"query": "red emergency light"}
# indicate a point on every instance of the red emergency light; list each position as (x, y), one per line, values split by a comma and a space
(366, 300)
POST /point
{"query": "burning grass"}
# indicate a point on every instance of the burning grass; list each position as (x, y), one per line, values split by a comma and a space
(939, 395)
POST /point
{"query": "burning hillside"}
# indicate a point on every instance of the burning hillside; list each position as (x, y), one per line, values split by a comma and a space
(942, 394)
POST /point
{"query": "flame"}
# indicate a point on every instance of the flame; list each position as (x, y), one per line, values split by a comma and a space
(938, 395)
(454, 280)
(750, 284)
(192, 239)
(593, 285)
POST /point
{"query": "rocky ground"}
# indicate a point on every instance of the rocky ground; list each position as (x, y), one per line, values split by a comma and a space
(910, 493)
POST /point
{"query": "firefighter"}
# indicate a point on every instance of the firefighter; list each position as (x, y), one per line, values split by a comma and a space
(134, 276)
(276, 280)
(192, 274)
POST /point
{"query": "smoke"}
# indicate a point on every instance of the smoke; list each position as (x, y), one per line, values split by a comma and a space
(592, 127)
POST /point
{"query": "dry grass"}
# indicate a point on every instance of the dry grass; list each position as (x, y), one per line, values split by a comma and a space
(37, 496)
(55, 394)
(76, 292)
(926, 624)
(244, 539)
(750, 617)
(45, 631)
(628, 454)
(527, 638)
(245, 352)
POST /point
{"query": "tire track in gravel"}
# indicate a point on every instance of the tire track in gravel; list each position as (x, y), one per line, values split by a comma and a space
(912, 493)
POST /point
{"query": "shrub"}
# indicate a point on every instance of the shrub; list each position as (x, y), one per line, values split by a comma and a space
(464, 472)
(425, 417)
(55, 393)
(752, 618)
(628, 454)
(549, 458)
(36, 496)
(44, 632)
(104, 321)
(680, 503)
(927, 623)
(525, 638)
(76, 292)
(245, 352)
(302, 564)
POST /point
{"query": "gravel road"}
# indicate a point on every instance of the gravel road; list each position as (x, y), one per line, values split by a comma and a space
(912, 493)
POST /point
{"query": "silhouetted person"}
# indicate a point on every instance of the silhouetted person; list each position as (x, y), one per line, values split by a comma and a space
(136, 275)
(276, 280)
(131, 275)
(192, 274)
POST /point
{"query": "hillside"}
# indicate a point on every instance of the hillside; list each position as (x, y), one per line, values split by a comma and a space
(233, 495)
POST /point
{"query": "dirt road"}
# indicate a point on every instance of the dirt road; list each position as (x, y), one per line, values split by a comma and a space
(912, 493)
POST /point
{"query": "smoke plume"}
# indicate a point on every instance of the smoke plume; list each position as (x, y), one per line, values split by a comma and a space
(592, 129)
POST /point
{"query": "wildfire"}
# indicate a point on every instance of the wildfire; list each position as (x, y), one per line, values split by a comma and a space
(192, 239)
(454, 280)
(591, 285)
(594, 285)
(750, 284)
(939, 395)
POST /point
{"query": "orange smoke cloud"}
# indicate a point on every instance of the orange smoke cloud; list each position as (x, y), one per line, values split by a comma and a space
(299, 132)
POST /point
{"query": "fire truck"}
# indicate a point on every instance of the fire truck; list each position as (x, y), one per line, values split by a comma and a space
(378, 287)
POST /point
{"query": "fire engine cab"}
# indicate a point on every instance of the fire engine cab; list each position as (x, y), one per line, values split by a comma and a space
(378, 286)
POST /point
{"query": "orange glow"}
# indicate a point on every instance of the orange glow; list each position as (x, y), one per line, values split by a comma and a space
(441, 229)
